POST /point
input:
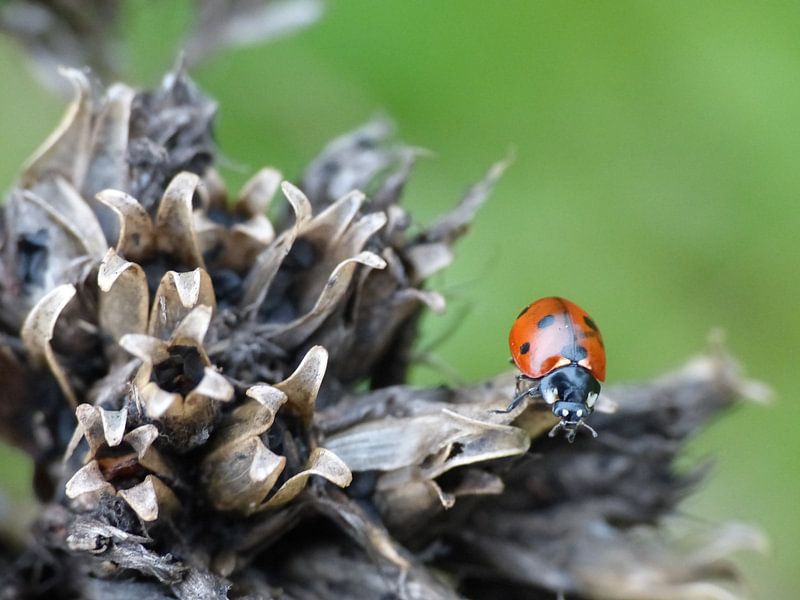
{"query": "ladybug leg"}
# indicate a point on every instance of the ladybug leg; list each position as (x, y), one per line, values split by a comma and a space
(590, 428)
(515, 402)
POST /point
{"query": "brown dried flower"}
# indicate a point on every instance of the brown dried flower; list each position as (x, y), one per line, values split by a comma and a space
(217, 409)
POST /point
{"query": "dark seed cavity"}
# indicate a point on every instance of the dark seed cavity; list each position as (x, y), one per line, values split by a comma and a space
(181, 372)
(32, 256)
(546, 321)
(524, 348)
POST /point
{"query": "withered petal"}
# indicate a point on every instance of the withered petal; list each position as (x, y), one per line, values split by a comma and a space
(268, 262)
(108, 166)
(150, 499)
(295, 332)
(114, 423)
(145, 347)
(88, 480)
(302, 386)
(158, 402)
(329, 225)
(37, 332)
(455, 223)
(240, 474)
(75, 214)
(123, 296)
(136, 234)
(66, 151)
(176, 296)
(91, 426)
(193, 327)
(257, 193)
(321, 462)
(175, 233)
(392, 443)
(252, 418)
(214, 385)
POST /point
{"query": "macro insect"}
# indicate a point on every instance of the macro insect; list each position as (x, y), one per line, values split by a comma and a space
(556, 344)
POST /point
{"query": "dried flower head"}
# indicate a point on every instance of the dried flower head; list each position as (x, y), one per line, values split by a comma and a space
(217, 408)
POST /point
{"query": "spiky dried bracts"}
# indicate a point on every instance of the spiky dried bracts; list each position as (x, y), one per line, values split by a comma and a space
(216, 401)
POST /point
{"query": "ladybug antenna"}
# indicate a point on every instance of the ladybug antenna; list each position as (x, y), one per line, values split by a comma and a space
(556, 428)
(570, 431)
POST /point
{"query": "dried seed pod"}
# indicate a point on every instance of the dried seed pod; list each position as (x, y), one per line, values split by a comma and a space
(176, 383)
(235, 237)
(119, 463)
(241, 470)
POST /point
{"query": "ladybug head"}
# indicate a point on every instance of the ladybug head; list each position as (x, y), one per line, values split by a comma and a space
(572, 391)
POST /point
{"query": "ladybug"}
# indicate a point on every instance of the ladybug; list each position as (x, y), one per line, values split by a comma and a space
(556, 343)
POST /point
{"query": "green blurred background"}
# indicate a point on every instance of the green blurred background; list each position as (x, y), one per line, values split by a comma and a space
(656, 183)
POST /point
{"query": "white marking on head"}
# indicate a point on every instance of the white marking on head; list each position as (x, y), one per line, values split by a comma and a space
(550, 395)
(591, 399)
(579, 413)
(564, 412)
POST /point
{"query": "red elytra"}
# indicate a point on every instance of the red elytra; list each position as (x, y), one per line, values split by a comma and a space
(554, 332)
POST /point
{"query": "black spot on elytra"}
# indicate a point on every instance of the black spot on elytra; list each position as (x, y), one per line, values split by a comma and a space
(590, 323)
(523, 311)
(524, 348)
(546, 321)
(574, 353)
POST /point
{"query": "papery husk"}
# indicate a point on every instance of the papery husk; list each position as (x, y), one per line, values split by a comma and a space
(31, 222)
(105, 429)
(124, 300)
(241, 470)
(150, 499)
(393, 443)
(174, 223)
(176, 296)
(239, 476)
(64, 151)
(37, 333)
(267, 263)
(236, 245)
(135, 232)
